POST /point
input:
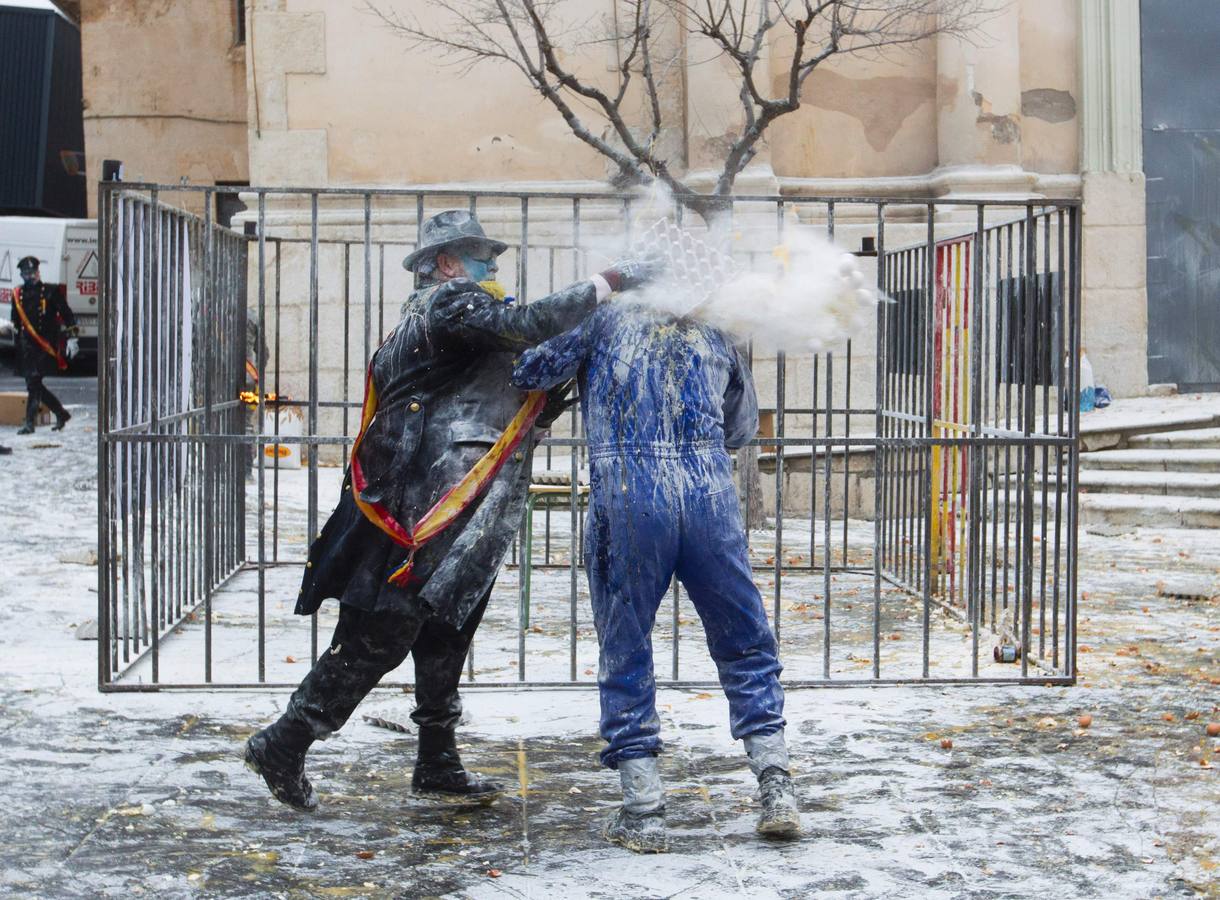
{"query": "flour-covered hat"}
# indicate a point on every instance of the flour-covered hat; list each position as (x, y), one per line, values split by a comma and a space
(449, 230)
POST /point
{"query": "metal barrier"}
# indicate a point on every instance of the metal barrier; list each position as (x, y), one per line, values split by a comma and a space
(920, 487)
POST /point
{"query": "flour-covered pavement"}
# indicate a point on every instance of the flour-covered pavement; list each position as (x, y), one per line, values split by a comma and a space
(115, 795)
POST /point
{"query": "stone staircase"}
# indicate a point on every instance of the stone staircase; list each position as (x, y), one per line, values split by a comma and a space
(1164, 479)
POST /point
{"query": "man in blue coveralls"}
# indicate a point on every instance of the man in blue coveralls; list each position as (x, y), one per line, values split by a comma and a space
(662, 399)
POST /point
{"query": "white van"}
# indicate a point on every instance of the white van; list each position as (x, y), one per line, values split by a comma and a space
(67, 251)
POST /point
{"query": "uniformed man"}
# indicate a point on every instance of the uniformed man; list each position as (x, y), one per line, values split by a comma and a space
(46, 340)
(430, 504)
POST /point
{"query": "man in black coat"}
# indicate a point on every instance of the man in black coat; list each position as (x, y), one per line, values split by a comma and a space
(46, 340)
(430, 504)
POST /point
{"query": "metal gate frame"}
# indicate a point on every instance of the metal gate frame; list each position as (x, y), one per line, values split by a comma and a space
(176, 440)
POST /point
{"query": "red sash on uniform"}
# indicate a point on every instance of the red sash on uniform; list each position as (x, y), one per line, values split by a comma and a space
(456, 500)
(37, 338)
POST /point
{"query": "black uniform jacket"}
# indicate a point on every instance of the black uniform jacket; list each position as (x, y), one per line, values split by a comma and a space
(444, 397)
(46, 306)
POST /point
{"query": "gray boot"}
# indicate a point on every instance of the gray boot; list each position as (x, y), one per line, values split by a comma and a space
(768, 754)
(639, 824)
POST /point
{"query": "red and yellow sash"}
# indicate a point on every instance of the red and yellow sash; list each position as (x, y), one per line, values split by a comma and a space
(38, 339)
(456, 499)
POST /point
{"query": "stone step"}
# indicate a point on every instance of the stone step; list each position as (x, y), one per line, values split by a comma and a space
(1177, 484)
(1153, 460)
(1189, 439)
(1116, 428)
(1149, 511)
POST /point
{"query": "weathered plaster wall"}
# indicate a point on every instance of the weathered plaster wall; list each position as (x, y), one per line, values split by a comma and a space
(1050, 76)
(164, 87)
(861, 118)
(343, 99)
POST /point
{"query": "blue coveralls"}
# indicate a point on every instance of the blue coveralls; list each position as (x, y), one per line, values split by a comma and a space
(661, 400)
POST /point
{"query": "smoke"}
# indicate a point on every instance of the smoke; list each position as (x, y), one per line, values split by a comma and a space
(801, 294)
(814, 297)
(798, 294)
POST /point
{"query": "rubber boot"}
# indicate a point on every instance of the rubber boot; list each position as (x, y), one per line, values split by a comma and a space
(439, 773)
(278, 754)
(639, 824)
(780, 816)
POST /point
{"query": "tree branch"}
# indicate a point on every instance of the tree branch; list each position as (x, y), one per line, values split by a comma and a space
(520, 33)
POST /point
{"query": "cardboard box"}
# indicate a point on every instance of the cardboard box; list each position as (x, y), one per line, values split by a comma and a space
(12, 409)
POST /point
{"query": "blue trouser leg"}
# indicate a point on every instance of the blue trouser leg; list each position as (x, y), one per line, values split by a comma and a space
(631, 545)
(714, 567)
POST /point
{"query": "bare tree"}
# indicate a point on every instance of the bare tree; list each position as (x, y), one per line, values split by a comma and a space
(530, 36)
(622, 114)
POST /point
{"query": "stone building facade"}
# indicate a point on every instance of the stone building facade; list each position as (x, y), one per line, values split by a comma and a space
(1043, 102)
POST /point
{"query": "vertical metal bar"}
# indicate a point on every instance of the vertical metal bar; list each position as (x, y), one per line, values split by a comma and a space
(877, 450)
(311, 529)
(208, 299)
(973, 599)
(826, 551)
(781, 379)
(368, 279)
(1074, 446)
(1028, 392)
(929, 433)
(1060, 308)
(380, 293)
(261, 446)
(347, 285)
(1004, 346)
(275, 472)
(154, 399)
(1043, 295)
(523, 584)
(677, 622)
(778, 559)
(105, 304)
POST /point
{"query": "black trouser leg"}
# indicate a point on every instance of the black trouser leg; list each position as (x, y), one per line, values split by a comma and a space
(364, 648)
(439, 655)
(38, 393)
(33, 398)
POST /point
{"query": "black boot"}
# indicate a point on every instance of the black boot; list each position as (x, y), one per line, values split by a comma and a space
(27, 428)
(278, 754)
(439, 772)
(61, 419)
(780, 816)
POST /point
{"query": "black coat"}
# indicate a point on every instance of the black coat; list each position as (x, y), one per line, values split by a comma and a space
(46, 306)
(444, 397)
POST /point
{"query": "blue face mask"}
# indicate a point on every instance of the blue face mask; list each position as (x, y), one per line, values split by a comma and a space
(480, 269)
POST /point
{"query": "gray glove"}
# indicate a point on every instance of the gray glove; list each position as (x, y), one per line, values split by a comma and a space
(72, 348)
(631, 273)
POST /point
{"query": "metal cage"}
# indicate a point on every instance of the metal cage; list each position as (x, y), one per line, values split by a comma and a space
(912, 498)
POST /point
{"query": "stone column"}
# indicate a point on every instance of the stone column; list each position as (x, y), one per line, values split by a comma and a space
(1115, 315)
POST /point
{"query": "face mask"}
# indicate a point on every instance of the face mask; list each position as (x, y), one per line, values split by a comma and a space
(480, 269)
(497, 290)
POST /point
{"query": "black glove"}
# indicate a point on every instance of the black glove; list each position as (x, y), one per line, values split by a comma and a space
(558, 402)
(631, 273)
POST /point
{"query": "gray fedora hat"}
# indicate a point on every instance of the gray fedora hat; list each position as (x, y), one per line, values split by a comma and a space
(447, 230)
